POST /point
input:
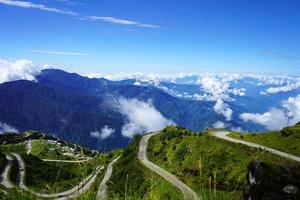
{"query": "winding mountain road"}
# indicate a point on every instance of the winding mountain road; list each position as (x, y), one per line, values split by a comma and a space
(4, 180)
(82, 187)
(29, 148)
(66, 161)
(223, 135)
(102, 190)
(188, 193)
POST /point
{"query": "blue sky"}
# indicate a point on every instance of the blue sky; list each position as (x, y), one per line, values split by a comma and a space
(162, 36)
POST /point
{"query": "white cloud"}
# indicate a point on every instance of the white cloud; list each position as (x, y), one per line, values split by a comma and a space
(237, 129)
(276, 118)
(216, 88)
(26, 4)
(6, 128)
(109, 19)
(142, 117)
(95, 134)
(115, 20)
(238, 92)
(137, 83)
(219, 125)
(105, 132)
(292, 107)
(66, 53)
(17, 70)
(223, 109)
(285, 88)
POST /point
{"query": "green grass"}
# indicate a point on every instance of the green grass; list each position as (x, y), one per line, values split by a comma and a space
(17, 148)
(131, 180)
(201, 160)
(42, 149)
(2, 161)
(14, 171)
(286, 140)
(49, 177)
(56, 177)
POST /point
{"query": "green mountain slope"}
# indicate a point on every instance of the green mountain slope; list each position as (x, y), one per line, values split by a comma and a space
(132, 181)
(34, 165)
(50, 166)
(214, 168)
(286, 140)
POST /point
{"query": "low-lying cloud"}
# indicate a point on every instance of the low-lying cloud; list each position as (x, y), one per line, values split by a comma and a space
(277, 118)
(17, 70)
(274, 119)
(105, 132)
(219, 125)
(142, 117)
(6, 128)
(222, 108)
(285, 88)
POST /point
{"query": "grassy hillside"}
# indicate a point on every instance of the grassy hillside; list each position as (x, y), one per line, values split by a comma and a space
(286, 140)
(132, 181)
(204, 162)
(50, 177)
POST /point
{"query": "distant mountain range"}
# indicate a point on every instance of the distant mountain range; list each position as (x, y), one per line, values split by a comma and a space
(88, 111)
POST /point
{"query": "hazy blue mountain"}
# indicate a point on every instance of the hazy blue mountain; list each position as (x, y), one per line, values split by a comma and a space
(72, 106)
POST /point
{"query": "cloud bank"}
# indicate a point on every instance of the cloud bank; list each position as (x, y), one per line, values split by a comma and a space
(219, 125)
(6, 128)
(105, 132)
(141, 117)
(222, 108)
(285, 88)
(277, 118)
(17, 70)
(274, 119)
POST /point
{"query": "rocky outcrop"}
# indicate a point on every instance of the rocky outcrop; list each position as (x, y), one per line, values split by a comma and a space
(267, 181)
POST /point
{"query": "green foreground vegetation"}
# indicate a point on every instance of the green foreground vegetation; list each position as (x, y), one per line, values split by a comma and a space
(213, 167)
(286, 140)
(132, 181)
(49, 177)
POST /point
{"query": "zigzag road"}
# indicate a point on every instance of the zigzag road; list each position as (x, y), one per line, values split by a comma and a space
(82, 187)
